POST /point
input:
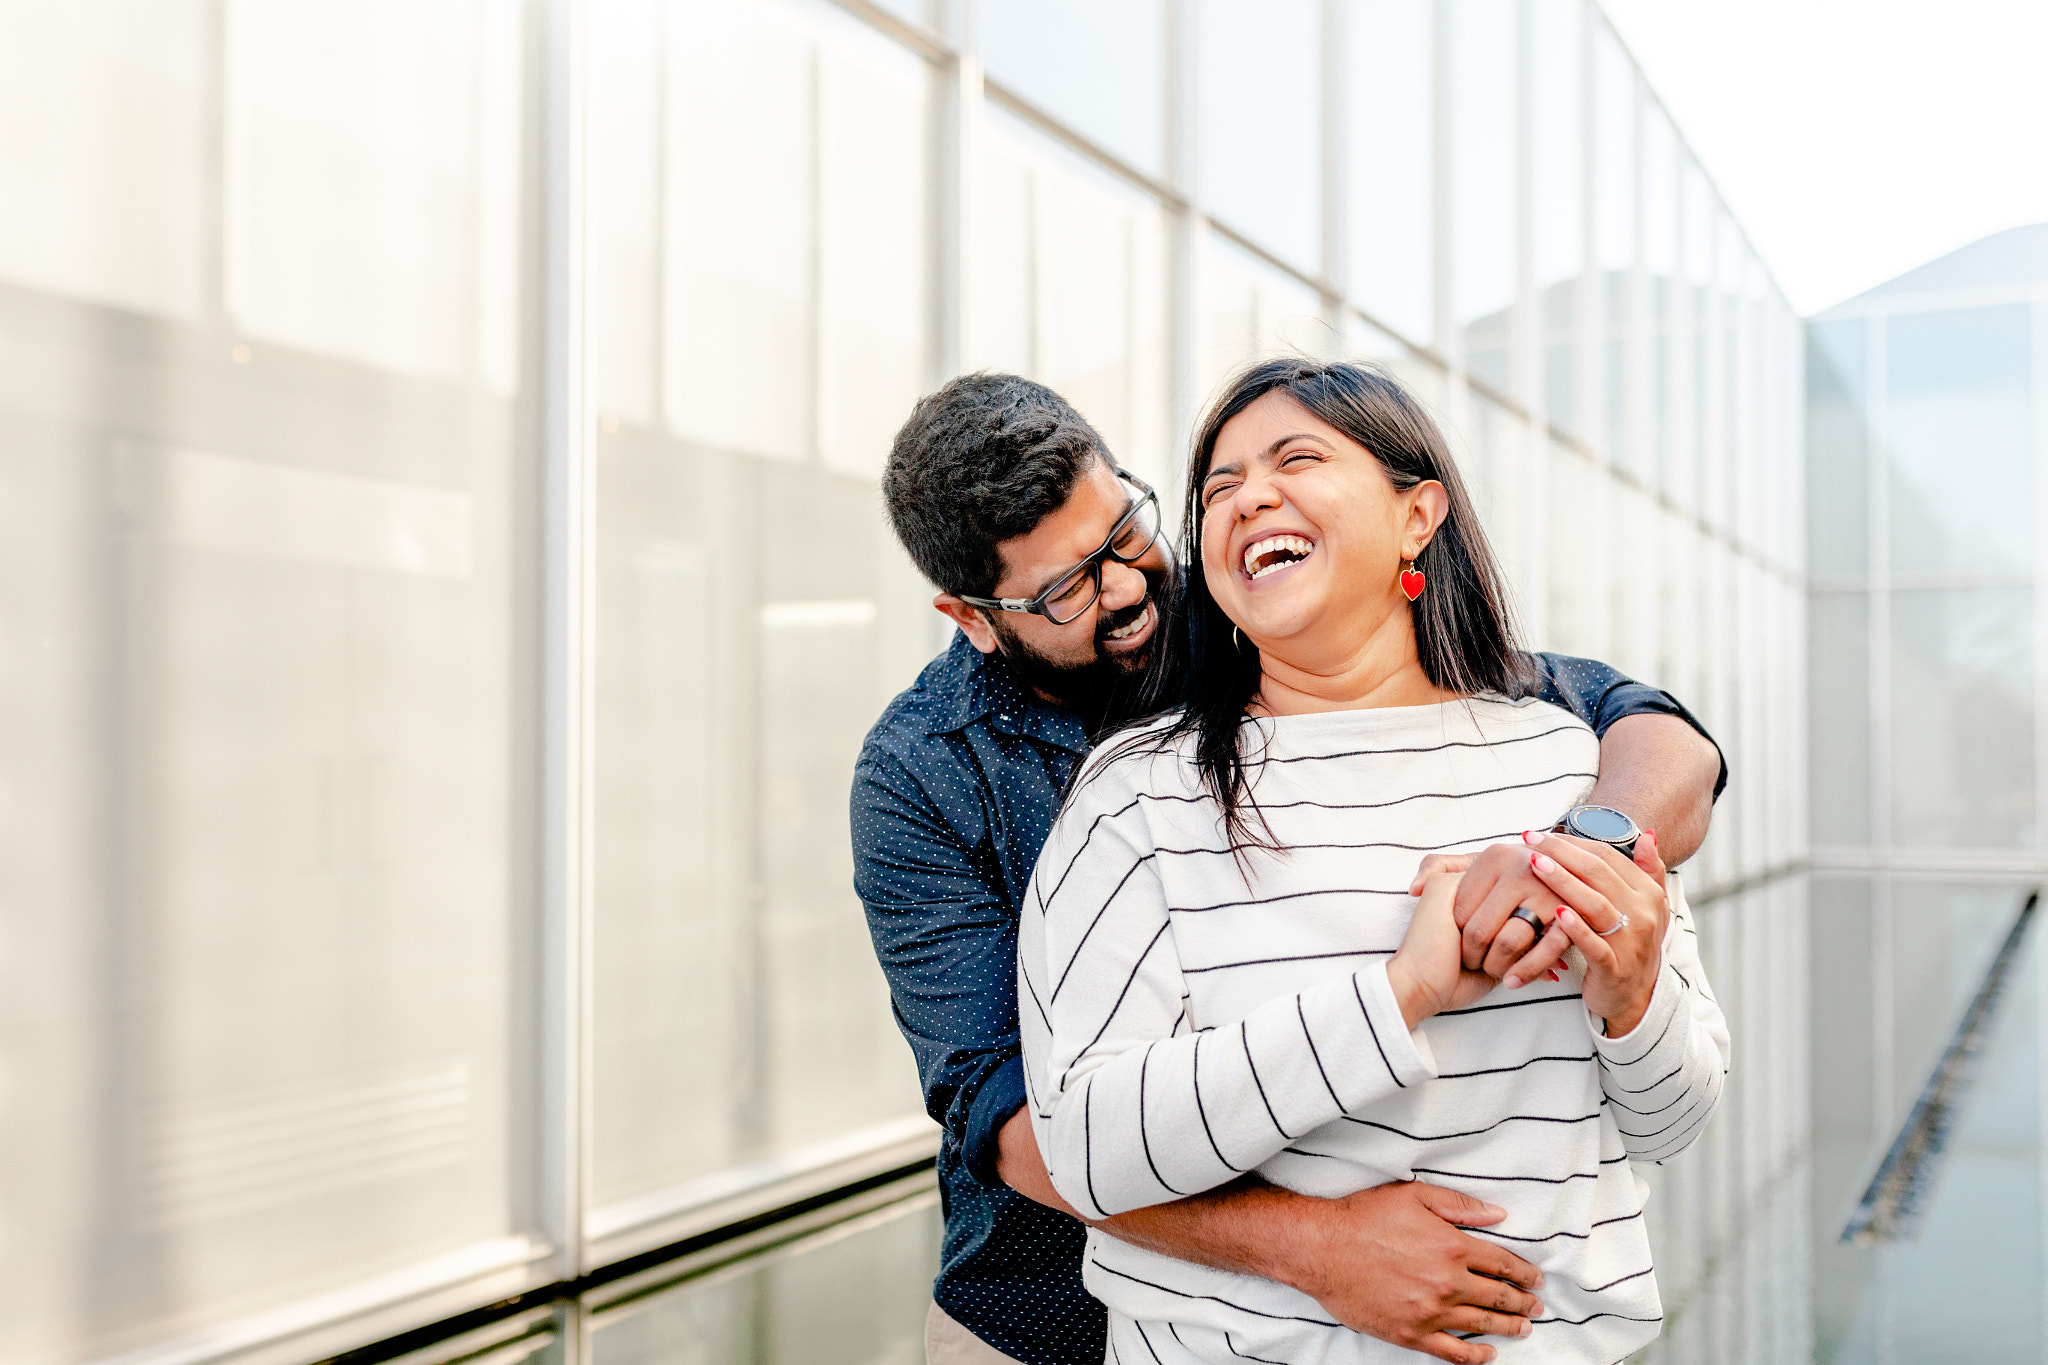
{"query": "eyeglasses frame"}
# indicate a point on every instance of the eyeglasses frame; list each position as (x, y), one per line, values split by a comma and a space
(1092, 563)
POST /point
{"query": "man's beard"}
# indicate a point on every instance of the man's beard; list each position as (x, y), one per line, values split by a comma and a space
(1111, 686)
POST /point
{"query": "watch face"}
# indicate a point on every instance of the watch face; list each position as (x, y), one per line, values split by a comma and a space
(1600, 822)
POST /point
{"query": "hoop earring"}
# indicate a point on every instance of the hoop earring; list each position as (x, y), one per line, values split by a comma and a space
(1236, 641)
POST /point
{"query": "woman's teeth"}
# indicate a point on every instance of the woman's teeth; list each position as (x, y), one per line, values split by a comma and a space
(1277, 552)
(1144, 619)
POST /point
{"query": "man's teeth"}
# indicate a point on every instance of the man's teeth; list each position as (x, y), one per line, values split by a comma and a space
(1297, 548)
(1144, 618)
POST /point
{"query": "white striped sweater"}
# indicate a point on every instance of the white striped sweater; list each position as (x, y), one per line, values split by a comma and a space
(1181, 1027)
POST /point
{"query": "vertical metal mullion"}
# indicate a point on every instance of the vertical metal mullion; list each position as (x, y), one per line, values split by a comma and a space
(1441, 98)
(1525, 365)
(1336, 168)
(2039, 351)
(1878, 646)
(1181, 162)
(568, 582)
(959, 145)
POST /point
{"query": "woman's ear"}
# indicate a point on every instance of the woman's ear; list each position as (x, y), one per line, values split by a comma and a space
(1428, 505)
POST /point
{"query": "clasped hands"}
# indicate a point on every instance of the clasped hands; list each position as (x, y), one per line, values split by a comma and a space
(1463, 941)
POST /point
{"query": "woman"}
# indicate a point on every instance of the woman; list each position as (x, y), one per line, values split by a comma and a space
(1227, 972)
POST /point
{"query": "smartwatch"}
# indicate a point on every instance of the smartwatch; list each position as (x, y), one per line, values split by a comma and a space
(1603, 825)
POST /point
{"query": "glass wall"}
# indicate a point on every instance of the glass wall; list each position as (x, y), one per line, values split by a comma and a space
(268, 544)
(444, 586)
(1927, 429)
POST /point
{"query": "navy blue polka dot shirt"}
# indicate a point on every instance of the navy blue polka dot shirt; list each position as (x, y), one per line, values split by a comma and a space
(953, 797)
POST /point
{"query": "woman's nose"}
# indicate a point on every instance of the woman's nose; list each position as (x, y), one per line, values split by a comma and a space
(1258, 493)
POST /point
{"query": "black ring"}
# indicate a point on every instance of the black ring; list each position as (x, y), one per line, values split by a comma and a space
(1530, 918)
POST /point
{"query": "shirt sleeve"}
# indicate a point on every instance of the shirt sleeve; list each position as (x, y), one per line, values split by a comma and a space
(1600, 695)
(1131, 1106)
(947, 940)
(1665, 1076)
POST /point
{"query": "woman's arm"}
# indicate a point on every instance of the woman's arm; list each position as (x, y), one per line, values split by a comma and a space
(1130, 1108)
(1660, 1036)
(1665, 1076)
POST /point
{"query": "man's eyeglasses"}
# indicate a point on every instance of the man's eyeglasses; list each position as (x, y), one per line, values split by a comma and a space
(1076, 589)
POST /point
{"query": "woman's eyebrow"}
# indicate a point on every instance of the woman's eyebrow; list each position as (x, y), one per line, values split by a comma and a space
(1284, 441)
(1217, 471)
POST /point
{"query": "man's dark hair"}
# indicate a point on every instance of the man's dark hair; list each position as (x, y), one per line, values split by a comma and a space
(984, 459)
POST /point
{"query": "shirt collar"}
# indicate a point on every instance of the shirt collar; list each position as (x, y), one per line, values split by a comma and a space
(984, 686)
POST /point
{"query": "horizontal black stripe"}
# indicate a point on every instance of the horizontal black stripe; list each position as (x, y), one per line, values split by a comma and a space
(1434, 847)
(1519, 1066)
(1262, 901)
(1551, 1237)
(1475, 1132)
(1294, 957)
(1211, 1298)
(1510, 1005)
(1646, 1089)
(1581, 1322)
(1637, 1275)
(1576, 726)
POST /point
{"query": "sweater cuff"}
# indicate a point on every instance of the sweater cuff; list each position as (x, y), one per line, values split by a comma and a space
(1667, 998)
(1000, 1096)
(1408, 1054)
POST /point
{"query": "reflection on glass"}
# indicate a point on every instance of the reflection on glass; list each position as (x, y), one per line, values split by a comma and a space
(855, 1294)
(1391, 173)
(1692, 333)
(1728, 1218)
(794, 263)
(1615, 111)
(1099, 68)
(1250, 310)
(1904, 958)
(1576, 611)
(1963, 717)
(1557, 147)
(263, 763)
(1071, 289)
(1837, 449)
(754, 612)
(1260, 137)
(1483, 212)
(1660, 355)
(1958, 422)
(120, 87)
(1838, 724)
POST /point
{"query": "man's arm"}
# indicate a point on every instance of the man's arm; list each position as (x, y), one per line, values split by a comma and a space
(1661, 773)
(1392, 1261)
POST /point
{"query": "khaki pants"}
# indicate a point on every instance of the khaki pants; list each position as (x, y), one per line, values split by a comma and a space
(946, 1342)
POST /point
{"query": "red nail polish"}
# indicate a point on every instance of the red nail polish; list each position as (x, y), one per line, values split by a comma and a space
(1528, 836)
(1532, 860)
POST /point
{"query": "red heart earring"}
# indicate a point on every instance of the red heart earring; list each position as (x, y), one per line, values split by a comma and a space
(1412, 581)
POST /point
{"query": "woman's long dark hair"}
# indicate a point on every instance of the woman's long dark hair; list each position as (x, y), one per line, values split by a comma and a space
(1464, 630)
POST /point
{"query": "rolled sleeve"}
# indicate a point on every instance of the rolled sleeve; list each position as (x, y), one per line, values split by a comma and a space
(1000, 1096)
(1601, 695)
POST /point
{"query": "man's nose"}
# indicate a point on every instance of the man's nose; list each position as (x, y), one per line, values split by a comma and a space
(1122, 585)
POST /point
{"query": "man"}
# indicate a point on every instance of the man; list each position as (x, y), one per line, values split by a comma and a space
(1047, 558)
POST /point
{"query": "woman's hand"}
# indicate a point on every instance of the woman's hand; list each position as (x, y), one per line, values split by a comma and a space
(1425, 972)
(1601, 890)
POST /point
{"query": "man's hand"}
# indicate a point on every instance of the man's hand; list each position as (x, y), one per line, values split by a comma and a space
(1496, 880)
(1393, 1262)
